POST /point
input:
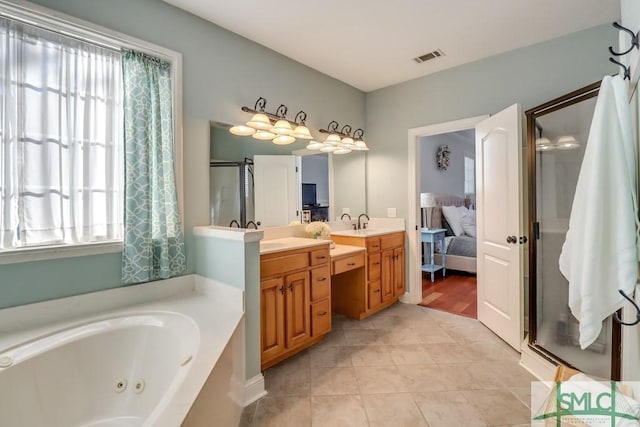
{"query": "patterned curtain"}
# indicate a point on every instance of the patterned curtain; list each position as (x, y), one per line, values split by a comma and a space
(153, 241)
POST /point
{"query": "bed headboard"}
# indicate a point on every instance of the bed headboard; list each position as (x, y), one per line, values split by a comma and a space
(444, 200)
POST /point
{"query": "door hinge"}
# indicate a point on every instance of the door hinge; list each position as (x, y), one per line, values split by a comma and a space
(536, 230)
(296, 169)
(297, 213)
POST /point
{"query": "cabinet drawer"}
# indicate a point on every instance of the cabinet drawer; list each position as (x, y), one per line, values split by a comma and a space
(373, 244)
(320, 256)
(349, 263)
(320, 283)
(392, 241)
(320, 317)
(285, 263)
(373, 270)
(375, 294)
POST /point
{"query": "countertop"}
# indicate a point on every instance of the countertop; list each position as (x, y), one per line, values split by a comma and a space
(289, 243)
(341, 250)
(366, 232)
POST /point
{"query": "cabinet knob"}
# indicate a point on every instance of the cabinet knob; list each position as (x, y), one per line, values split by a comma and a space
(323, 313)
(282, 289)
(376, 291)
(322, 279)
(321, 257)
(291, 287)
(351, 264)
(376, 263)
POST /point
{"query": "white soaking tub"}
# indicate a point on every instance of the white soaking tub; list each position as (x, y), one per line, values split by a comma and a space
(139, 366)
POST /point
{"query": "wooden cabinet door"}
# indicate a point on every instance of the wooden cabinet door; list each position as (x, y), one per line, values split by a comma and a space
(398, 272)
(387, 275)
(272, 318)
(297, 308)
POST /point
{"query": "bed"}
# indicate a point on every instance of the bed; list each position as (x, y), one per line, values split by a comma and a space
(460, 250)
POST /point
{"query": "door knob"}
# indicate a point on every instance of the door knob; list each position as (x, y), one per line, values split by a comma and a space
(523, 240)
(512, 239)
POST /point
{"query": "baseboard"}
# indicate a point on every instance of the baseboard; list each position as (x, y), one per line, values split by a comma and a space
(406, 298)
(537, 365)
(254, 389)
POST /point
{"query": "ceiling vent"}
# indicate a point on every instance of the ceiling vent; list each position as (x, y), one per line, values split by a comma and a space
(428, 56)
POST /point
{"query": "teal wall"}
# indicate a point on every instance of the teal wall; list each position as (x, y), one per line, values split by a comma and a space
(221, 72)
(529, 76)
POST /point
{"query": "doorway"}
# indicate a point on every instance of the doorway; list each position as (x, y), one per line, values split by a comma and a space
(448, 222)
(500, 210)
(414, 216)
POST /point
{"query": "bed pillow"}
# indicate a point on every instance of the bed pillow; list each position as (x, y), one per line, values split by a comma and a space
(468, 221)
(452, 215)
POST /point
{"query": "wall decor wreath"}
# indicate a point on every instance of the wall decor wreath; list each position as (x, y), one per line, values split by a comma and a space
(443, 157)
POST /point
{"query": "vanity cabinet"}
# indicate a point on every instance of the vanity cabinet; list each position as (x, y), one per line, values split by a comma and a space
(295, 301)
(382, 281)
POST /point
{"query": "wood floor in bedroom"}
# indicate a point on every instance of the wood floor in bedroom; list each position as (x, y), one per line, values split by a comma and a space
(456, 293)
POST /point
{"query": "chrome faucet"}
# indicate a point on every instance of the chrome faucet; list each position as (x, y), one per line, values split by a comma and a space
(348, 216)
(364, 225)
(233, 221)
(254, 224)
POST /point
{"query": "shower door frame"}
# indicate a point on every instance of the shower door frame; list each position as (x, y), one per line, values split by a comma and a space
(564, 101)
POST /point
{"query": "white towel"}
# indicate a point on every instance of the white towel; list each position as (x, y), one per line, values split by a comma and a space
(600, 253)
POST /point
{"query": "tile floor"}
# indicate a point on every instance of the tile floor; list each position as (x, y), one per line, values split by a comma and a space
(405, 366)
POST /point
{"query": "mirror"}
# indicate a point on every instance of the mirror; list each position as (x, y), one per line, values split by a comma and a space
(342, 187)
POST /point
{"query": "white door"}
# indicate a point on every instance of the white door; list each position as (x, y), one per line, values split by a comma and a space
(276, 187)
(499, 252)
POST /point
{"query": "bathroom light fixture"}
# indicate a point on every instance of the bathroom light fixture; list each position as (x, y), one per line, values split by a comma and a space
(242, 130)
(544, 144)
(567, 142)
(273, 127)
(341, 140)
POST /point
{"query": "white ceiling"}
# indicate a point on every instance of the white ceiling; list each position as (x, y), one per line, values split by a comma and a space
(370, 44)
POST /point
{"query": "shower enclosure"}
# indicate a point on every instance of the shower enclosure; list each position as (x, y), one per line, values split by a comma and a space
(557, 134)
(231, 192)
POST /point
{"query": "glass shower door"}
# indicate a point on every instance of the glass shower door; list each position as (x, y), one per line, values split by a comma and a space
(226, 198)
(561, 134)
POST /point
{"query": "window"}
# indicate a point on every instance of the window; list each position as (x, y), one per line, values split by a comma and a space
(469, 175)
(60, 139)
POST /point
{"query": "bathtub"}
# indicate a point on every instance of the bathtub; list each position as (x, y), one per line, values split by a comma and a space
(143, 365)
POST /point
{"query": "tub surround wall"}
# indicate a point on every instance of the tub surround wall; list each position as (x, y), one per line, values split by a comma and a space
(232, 255)
(216, 308)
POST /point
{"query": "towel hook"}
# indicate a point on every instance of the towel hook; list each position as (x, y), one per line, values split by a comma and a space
(634, 40)
(617, 318)
(627, 70)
